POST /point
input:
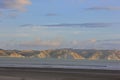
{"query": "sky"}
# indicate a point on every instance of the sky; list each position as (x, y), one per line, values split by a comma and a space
(55, 24)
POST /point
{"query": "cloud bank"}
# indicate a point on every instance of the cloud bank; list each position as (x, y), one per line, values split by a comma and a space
(51, 43)
(110, 8)
(87, 25)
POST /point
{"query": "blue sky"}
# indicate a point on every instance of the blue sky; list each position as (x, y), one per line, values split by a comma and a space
(51, 24)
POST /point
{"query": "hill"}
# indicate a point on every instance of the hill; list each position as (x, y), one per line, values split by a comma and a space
(80, 54)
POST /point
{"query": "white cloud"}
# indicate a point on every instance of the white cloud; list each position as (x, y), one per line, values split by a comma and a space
(13, 7)
(77, 32)
(17, 35)
(93, 40)
(18, 5)
(1, 14)
(90, 41)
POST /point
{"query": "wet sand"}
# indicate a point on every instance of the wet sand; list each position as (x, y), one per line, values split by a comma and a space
(56, 74)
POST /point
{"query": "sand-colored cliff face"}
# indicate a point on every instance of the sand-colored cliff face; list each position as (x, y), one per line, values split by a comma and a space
(96, 56)
(114, 56)
(44, 54)
(2, 53)
(64, 54)
(76, 56)
(14, 54)
(60, 54)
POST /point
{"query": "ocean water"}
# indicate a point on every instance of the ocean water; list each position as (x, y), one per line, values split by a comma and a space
(59, 63)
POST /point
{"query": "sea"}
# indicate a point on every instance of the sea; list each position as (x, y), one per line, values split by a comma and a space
(59, 63)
